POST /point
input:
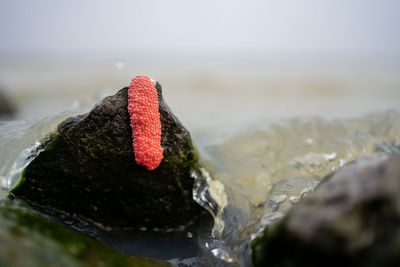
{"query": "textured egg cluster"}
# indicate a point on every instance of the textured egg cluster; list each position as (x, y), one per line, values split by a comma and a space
(145, 122)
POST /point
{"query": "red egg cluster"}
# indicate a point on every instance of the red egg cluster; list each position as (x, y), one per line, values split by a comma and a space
(145, 122)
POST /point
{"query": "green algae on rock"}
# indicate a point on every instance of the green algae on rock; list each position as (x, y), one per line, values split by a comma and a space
(87, 168)
(352, 219)
(29, 239)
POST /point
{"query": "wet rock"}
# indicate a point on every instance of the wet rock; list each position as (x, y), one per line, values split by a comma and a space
(7, 109)
(87, 169)
(29, 239)
(352, 219)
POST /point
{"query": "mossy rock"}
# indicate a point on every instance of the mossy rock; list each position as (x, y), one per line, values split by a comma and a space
(87, 168)
(29, 239)
(352, 219)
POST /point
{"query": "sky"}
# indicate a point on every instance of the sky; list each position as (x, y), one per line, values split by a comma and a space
(343, 27)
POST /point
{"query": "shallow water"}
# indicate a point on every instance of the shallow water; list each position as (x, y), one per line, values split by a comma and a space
(256, 128)
(257, 175)
(252, 179)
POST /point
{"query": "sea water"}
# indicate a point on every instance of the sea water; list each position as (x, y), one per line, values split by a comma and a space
(266, 137)
(257, 175)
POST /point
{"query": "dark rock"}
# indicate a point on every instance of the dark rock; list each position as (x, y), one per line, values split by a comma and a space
(352, 219)
(7, 108)
(29, 239)
(87, 169)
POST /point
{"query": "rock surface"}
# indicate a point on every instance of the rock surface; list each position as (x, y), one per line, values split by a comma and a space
(352, 219)
(87, 169)
(29, 239)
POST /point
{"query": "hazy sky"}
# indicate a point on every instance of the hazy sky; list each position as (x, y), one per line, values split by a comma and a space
(366, 27)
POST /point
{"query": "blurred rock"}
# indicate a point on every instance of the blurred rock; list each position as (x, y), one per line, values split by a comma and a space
(87, 169)
(7, 108)
(352, 219)
(29, 239)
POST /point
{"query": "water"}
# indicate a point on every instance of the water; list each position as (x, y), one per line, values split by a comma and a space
(263, 147)
(257, 175)
(252, 178)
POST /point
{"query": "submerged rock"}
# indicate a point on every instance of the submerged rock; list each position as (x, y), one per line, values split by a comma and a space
(87, 168)
(352, 219)
(29, 239)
